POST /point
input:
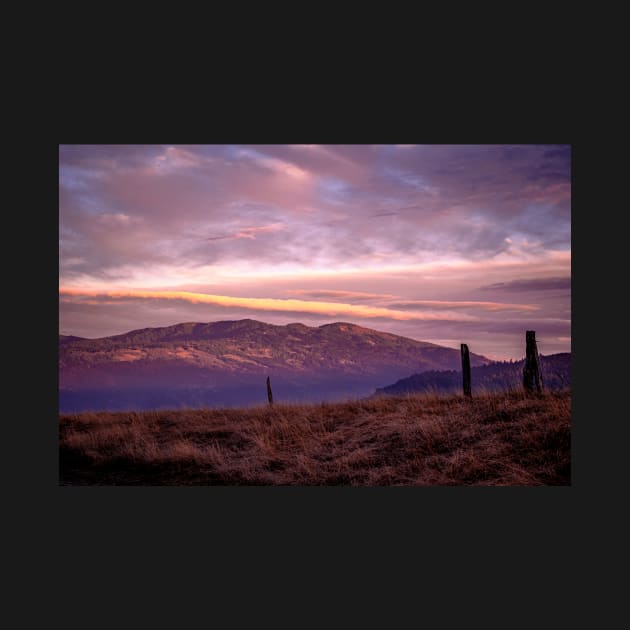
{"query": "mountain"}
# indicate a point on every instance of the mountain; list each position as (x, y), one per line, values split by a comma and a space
(496, 376)
(226, 364)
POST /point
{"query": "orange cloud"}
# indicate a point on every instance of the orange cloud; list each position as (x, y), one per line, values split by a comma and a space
(268, 304)
(328, 293)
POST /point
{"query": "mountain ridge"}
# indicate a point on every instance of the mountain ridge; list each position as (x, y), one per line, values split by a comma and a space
(230, 325)
(222, 363)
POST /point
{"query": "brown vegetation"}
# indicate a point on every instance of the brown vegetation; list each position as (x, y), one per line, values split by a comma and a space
(425, 440)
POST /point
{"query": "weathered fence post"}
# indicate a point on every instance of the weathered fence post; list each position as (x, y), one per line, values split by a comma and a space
(269, 394)
(532, 378)
(466, 370)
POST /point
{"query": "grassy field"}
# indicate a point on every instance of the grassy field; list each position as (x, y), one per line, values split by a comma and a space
(424, 440)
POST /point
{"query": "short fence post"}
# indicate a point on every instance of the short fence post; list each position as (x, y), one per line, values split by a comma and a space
(269, 394)
(532, 378)
(466, 370)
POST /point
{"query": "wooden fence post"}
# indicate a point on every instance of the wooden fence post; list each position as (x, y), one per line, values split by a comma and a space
(466, 370)
(269, 394)
(532, 378)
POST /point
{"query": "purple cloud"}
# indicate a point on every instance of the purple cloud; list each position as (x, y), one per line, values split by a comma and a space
(450, 223)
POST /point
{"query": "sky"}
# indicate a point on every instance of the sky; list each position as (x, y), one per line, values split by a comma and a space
(443, 243)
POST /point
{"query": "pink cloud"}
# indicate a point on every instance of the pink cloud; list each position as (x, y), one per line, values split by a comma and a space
(250, 232)
(332, 294)
(473, 304)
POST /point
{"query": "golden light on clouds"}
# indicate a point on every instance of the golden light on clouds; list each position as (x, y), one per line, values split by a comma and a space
(462, 242)
(269, 304)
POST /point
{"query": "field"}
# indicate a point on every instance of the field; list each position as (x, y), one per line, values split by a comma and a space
(506, 439)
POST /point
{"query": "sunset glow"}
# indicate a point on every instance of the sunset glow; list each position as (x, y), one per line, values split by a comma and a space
(444, 243)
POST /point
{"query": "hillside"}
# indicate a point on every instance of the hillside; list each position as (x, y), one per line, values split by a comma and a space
(423, 440)
(497, 376)
(226, 364)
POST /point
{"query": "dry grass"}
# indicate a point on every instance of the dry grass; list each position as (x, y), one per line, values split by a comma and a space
(492, 440)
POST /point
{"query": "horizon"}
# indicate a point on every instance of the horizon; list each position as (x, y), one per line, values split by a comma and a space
(446, 244)
(258, 321)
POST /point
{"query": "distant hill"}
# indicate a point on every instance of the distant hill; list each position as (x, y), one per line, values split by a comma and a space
(226, 364)
(496, 376)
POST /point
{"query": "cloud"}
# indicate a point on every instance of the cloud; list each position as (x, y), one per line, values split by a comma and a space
(384, 214)
(535, 284)
(444, 304)
(261, 304)
(116, 220)
(250, 232)
(424, 201)
(339, 295)
(175, 159)
(414, 230)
